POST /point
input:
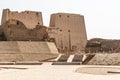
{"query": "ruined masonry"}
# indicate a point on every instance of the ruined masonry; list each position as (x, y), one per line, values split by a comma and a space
(29, 18)
(24, 35)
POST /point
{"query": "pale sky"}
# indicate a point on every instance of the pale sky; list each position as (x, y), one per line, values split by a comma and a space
(102, 17)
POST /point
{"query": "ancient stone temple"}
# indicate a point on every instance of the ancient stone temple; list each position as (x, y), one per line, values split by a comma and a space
(66, 30)
(23, 37)
(69, 31)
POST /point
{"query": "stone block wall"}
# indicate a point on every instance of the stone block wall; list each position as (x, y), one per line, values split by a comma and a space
(29, 18)
(71, 32)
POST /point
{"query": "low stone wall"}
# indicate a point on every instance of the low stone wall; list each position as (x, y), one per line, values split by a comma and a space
(9, 57)
(27, 51)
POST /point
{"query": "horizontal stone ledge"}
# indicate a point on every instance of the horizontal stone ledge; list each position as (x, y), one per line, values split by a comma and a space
(21, 63)
(66, 63)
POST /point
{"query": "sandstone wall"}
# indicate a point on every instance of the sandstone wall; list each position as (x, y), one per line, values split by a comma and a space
(16, 31)
(71, 32)
(27, 50)
(29, 18)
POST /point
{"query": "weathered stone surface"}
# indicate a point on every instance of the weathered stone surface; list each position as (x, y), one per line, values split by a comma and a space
(69, 31)
(97, 45)
(105, 59)
(14, 30)
(27, 51)
(9, 57)
(29, 18)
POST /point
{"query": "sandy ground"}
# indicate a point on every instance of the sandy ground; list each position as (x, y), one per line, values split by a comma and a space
(54, 72)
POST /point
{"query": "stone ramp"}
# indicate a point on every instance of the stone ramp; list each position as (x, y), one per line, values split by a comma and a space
(27, 51)
(105, 59)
